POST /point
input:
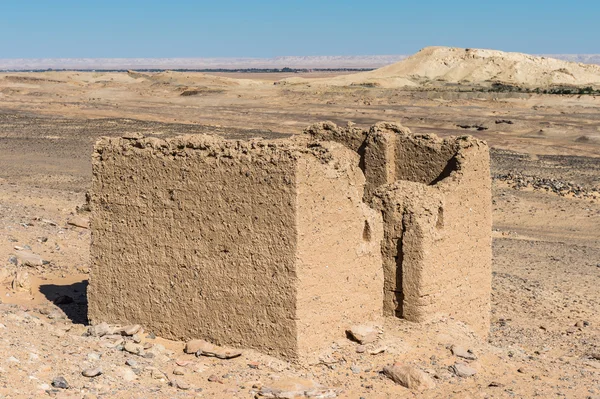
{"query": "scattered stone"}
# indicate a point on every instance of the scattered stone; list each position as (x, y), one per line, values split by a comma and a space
(363, 334)
(57, 314)
(21, 281)
(443, 374)
(522, 370)
(355, 369)
(519, 181)
(184, 386)
(462, 370)
(100, 330)
(296, 387)
(29, 258)
(495, 384)
(95, 372)
(136, 338)
(115, 343)
(462, 352)
(182, 363)
(157, 348)
(128, 331)
(204, 348)
(156, 373)
(132, 348)
(60, 382)
(361, 349)
(409, 377)
(93, 357)
(194, 346)
(78, 221)
(215, 378)
(378, 350)
(582, 324)
(178, 370)
(330, 358)
(126, 374)
(131, 363)
(13, 260)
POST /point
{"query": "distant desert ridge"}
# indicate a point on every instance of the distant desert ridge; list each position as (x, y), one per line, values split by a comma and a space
(435, 66)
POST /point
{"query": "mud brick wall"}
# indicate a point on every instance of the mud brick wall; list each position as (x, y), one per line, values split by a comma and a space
(259, 244)
(435, 198)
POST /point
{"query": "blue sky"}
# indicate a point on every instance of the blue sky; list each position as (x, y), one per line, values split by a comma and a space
(232, 28)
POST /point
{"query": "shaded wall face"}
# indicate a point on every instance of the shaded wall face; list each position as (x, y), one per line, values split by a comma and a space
(195, 246)
(423, 161)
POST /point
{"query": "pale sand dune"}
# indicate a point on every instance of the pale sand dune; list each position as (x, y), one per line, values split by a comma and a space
(470, 66)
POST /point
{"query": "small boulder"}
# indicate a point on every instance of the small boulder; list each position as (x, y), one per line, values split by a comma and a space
(294, 388)
(90, 373)
(204, 348)
(21, 281)
(184, 386)
(462, 352)
(462, 370)
(29, 258)
(409, 377)
(100, 330)
(126, 374)
(60, 382)
(128, 331)
(363, 334)
(135, 349)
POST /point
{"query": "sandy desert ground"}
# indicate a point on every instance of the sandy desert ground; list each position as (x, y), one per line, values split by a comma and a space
(545, 333)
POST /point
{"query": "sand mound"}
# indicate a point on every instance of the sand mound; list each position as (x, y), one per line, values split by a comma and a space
(447, 65)
(454, 65)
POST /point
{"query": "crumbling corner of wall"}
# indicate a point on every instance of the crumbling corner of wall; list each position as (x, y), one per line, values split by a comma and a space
(349, 135)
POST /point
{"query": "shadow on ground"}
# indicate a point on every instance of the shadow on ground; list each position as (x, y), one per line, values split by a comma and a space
(71, 299)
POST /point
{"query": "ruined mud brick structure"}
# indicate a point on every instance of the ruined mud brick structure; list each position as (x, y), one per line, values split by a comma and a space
(435, 198)
(260, 244)
(280, 245)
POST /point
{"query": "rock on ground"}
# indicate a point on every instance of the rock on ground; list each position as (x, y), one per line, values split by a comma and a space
(409, 377)
(363, 334)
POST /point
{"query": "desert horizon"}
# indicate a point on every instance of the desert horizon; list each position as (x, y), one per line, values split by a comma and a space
(195, 63)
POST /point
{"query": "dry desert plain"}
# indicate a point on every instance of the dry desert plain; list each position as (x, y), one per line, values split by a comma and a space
(544, 337)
